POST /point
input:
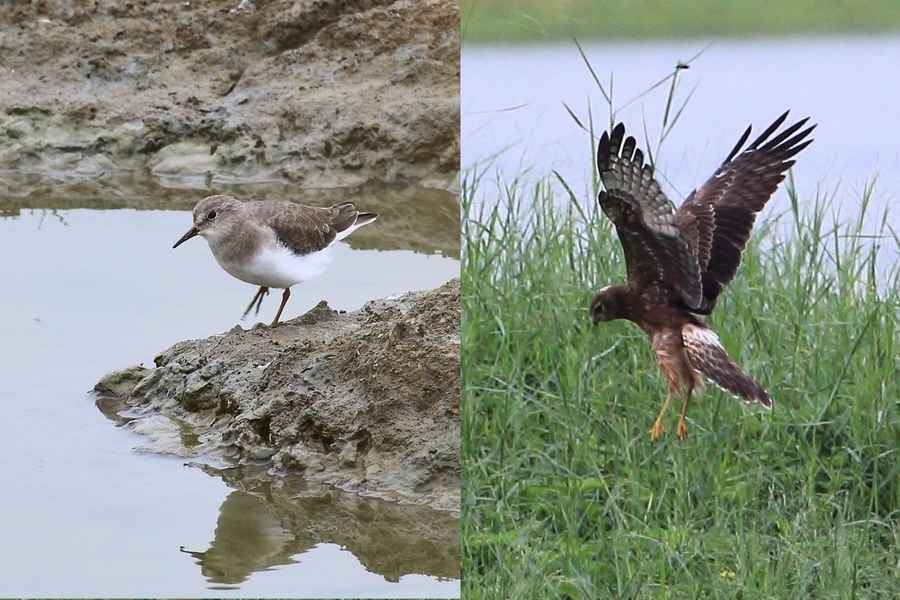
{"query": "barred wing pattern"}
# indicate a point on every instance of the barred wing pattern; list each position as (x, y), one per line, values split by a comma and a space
(709, 358)
(658, 258)
(717, 218)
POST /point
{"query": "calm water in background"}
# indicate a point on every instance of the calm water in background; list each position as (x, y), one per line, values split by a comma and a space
(512, 109)
(90, 291)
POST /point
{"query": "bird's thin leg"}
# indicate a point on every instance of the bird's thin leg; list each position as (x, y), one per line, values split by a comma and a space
(259, 302)
(658, 428)
(257, 299)
(682, 426)
(284, 299)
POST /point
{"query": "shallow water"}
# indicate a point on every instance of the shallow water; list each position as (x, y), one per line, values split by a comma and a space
(512, 109)
(86, 513)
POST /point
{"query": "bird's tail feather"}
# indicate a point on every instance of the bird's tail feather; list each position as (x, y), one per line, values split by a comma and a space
(361, 219)
(347, 219)
(707, 356)
(365, 218)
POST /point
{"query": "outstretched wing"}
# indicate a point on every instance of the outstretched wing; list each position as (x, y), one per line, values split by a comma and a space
(717, 218)
(657, 256)
(709, 358)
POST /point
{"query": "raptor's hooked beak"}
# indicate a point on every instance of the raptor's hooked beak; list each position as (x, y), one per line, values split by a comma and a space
(191, 233)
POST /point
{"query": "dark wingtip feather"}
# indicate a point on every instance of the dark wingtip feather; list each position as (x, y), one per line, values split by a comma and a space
(609, 145)
(629, 147)
(604, 140)
(603, 151)
(796, 149)
(765, 134)
(740, 143)
(791, 143)
(784, 135)
(618, 134)
(638, 157)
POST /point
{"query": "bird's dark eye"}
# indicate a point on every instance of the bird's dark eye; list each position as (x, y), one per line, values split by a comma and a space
(211, 215)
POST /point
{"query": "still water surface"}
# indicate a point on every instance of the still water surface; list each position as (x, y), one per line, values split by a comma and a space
(84, 512)
(513, 114)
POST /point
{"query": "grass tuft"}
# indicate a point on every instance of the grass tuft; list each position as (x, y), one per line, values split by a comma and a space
(565, 496)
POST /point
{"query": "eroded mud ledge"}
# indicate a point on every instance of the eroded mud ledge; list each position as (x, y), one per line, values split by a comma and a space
(367, 401)
(324, 94)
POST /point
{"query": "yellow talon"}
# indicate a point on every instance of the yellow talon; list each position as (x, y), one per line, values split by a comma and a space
(657, 431)
(682, 429)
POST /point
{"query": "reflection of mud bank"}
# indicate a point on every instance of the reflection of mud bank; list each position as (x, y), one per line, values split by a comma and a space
(327, 93)
(410, 217)
(267, 522)
(367, 401)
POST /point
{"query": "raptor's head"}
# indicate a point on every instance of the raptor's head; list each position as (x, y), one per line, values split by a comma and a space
(606, 305)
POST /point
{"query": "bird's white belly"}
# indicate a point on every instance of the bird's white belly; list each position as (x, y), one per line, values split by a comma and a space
(277, 267)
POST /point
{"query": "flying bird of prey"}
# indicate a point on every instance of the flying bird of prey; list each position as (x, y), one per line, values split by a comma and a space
(678, 261)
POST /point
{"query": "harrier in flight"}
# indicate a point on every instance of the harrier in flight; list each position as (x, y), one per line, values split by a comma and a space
(679, 260)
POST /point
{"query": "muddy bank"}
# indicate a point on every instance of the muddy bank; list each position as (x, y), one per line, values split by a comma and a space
(367, 401)
(320, 92)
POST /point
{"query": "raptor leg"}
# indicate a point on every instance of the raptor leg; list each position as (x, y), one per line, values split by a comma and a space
(658, 428)
(257, 300)
(669, 348)
(682, 425)
(284, 299)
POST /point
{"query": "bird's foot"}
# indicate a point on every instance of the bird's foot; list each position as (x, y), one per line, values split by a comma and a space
(657, 431)
(682, 429)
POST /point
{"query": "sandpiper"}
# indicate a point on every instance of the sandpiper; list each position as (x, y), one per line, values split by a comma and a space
(270, 243)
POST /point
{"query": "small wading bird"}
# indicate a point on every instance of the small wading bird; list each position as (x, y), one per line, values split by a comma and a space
(678, 261)
(272, 244)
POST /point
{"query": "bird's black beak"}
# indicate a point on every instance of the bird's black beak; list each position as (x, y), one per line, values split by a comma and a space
(191, 233)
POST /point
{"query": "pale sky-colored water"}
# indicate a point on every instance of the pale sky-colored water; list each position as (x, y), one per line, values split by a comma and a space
(86, 292)
(512, 108)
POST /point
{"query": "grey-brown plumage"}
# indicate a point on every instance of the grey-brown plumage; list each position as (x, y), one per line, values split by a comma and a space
(272, 244)
(306, 229)
(678, 261)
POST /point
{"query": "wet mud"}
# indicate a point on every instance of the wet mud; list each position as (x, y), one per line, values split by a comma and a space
(321, 93)
(365, 401)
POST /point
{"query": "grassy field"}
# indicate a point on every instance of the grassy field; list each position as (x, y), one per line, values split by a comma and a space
(564, 494)
(485, 21)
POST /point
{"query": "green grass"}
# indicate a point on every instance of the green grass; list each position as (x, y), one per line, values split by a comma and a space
(564, 495)
(484, 21)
